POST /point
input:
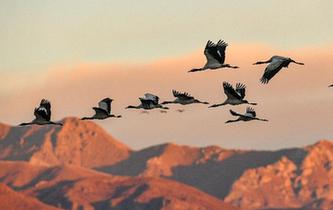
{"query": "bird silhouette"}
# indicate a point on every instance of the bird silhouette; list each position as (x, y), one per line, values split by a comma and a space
(276, 63)
(103, 111)
(234, 96)
(183, 98)
(249, 115)
(215, 56)
(150, 101)
(42, 115)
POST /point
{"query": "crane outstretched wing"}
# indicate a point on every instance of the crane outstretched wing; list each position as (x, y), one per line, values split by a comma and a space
(272, 69)
(155, 99)
(221, 46)
(231, 92)
(240, 89)
(105, 104)
(43, 111)
(147, 103)
(250, 112)
(211, 53)
(182, 95)
(100, 111)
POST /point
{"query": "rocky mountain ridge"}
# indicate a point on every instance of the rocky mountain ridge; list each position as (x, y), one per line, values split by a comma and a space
(296, 178)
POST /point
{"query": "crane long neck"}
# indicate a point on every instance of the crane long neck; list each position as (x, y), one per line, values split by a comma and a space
(24, 124)
(198, 69)
(216, 105)
(134, 107)
(229, 66)
(202, 102)
(265, 120)
(252, 103)
(87, 118)
(231, 121)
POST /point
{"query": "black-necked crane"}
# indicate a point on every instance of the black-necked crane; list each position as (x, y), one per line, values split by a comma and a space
(331, 85)
(215, 56)
(234, 96)
(276, 63)
(249, 115)
(103, 111)
(149, 101)
(42, 115)
(184, 98)
(180, 110)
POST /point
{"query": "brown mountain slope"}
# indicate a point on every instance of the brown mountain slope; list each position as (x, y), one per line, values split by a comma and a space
(11, 200)
(22, 175)
(288, 184)
(81, 143)
(156, 160)
(72, 187)
(211, 169)
(289, 178)
(128, 193)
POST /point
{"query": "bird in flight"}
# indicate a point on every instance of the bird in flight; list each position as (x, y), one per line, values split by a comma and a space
(331, 85)
(103, 111)
(183, 98)
(249, 115)
(276, 63)
(42, 115)
(149, 101)
(215, 55)
(234, 96)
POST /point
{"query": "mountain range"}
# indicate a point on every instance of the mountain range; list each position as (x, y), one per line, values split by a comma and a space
(81, 166)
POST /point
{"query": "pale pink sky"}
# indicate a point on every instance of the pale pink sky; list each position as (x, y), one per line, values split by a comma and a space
(297, 101)
(37, 34)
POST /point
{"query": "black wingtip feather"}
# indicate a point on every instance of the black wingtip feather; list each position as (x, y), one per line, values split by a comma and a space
(264, 80)
(226, 84)
(222, 43)
(240, 86)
